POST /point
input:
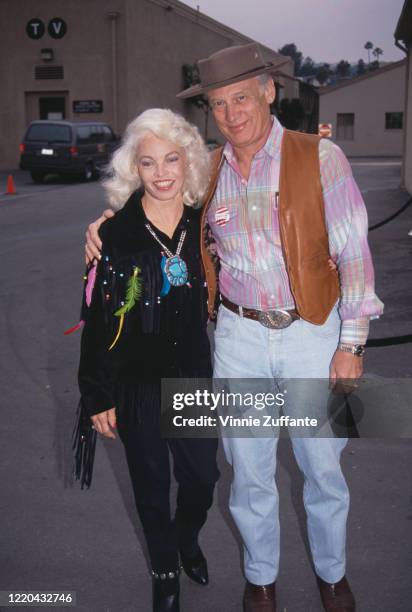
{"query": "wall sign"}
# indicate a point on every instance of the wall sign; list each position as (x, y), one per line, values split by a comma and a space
(88, 106)
(57, 28)
(35, 28)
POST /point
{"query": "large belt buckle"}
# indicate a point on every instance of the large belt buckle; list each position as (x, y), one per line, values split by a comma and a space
(275, 319)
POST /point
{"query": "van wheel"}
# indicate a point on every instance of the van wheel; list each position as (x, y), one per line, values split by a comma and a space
(89, 171)
(37, 177)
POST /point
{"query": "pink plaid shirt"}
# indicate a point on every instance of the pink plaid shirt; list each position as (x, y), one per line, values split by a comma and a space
(243, 217)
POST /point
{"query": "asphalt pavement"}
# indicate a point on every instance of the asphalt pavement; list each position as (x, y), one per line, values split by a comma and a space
(55, 537)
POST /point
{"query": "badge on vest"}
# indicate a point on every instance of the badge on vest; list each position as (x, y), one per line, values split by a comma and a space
(222, 215)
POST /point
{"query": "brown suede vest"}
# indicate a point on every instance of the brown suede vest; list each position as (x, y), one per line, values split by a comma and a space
(304, 238)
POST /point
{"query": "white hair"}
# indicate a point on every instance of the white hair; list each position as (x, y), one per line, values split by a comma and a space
(122, 176)
(263, 79)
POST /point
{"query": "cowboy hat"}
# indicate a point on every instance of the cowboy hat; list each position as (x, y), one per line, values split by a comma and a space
(230, 65)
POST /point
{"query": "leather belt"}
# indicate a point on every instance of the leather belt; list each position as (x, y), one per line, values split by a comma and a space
(273, 319)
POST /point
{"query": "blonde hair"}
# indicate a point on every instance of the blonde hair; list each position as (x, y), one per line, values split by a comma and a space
(122, 177)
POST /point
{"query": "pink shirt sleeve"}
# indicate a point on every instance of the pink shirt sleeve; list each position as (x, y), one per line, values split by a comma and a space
(347, 223)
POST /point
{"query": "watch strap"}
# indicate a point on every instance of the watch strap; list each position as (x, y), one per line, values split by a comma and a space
(356, 349)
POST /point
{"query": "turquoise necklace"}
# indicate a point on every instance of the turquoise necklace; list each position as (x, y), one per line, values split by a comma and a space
(174, 268)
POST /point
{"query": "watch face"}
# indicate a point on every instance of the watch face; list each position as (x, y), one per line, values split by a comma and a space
(359, 350)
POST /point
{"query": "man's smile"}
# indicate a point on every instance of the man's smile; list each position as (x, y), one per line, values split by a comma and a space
(237, 128)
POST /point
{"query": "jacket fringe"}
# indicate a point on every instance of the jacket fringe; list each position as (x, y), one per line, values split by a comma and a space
(84, 447)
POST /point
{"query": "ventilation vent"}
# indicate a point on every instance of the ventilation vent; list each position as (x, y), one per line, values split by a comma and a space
(48, 72)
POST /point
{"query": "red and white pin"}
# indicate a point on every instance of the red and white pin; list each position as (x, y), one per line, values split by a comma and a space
(222, 215)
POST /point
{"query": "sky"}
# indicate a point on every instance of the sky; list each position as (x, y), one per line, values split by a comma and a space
(325, 30)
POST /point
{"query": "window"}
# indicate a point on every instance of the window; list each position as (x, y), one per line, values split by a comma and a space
(345, 126)
(393, 121)
(83, 134)
(96, 134)
(108, 134)
(49, 133)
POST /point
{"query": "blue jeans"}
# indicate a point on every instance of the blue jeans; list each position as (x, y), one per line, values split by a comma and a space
(246, 349)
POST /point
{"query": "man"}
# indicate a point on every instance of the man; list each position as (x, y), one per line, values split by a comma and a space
(281, 206)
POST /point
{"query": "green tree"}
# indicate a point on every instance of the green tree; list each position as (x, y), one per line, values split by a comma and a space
(323, 72)
(342, 69)
(308, 67)
(368, 46)
(292, 51)
(377, 52)
(360, 67)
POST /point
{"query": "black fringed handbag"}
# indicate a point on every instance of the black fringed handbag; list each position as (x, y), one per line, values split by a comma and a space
(84, 447)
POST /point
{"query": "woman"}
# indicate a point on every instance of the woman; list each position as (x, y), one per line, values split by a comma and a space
(146, 320)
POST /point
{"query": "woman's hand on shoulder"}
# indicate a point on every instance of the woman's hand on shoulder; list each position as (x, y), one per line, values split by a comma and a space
(105, 422)
(93, 244)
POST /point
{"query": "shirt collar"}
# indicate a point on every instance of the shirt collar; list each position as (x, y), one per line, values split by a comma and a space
(271, 146)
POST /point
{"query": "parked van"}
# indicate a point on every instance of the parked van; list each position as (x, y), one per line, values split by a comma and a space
(78, 148)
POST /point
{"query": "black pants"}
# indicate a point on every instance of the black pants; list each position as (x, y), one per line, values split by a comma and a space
(195, 470)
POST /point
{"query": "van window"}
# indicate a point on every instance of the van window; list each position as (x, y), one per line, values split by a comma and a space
(108, 134)
(83, 134)
(49, 133)
(96, 133)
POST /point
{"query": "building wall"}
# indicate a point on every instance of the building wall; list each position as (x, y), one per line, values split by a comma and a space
(159, 43)
(369, 99)
(407, 163)
(84, 52)
(142, 69)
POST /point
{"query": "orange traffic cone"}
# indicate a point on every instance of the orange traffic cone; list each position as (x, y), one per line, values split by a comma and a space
(11, 190)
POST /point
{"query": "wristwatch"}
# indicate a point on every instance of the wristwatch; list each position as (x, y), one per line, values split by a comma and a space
(356, 349)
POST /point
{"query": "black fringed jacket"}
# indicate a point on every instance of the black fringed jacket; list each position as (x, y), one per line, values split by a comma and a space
(162, 336)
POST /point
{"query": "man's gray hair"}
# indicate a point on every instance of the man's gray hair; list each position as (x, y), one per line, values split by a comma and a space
(264, 78)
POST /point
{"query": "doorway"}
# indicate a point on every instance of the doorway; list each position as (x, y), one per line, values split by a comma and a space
(46, 105)
(52, 108)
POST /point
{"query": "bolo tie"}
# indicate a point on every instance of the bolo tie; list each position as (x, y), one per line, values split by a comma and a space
(174, 268)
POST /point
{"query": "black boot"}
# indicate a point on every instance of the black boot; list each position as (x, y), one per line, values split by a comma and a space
(195, 567)
(192, 559)
(166, 591)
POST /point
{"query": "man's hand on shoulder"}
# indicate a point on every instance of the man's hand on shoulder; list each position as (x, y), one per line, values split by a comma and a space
(345, 370)
(93, 245)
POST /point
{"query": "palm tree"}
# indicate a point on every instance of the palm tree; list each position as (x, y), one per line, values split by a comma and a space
(368, 46)
(377, 52)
